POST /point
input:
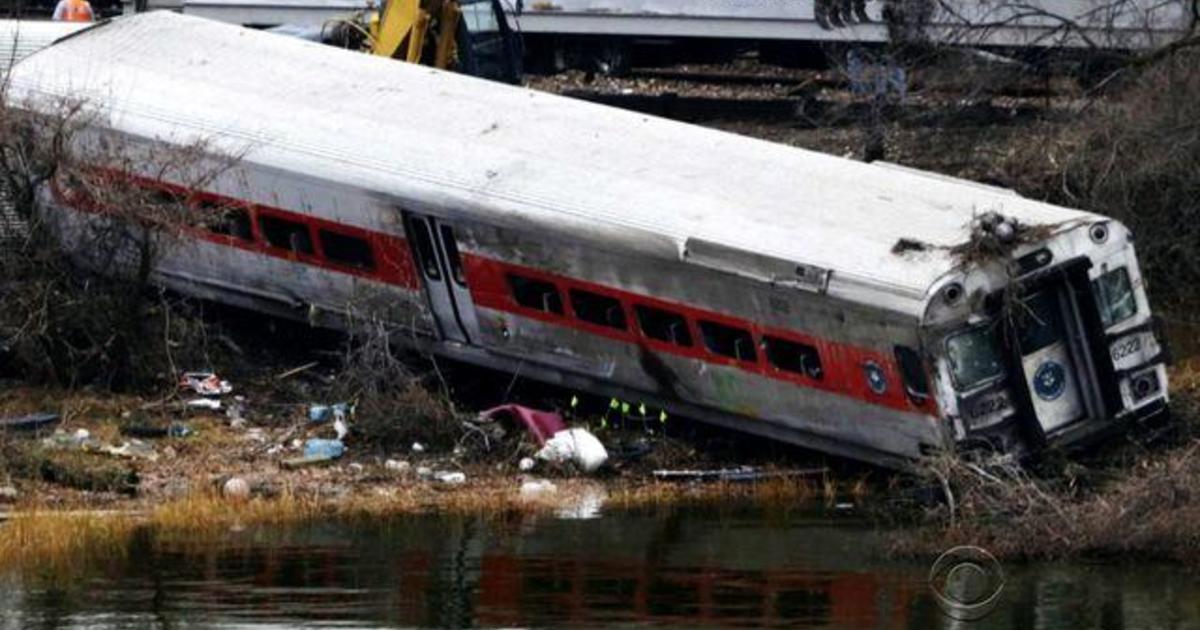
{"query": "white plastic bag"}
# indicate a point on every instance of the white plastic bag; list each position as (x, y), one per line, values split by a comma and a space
(575, 445)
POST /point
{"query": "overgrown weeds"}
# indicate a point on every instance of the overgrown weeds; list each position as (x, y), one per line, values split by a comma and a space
(1133, 154)
(80, 304)
(1143, 503)
(394, 406)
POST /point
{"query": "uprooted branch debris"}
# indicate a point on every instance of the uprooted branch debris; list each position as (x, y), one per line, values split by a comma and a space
(80, 304)
(994, 237)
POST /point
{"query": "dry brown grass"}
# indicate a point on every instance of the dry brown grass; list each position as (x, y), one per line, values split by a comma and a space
(63, 541)
(56, 543)
(1145, 504)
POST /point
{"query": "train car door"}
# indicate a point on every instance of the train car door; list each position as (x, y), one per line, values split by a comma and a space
(435, 249)
(1050, 371)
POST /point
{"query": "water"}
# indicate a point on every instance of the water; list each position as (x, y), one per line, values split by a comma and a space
(668, 568)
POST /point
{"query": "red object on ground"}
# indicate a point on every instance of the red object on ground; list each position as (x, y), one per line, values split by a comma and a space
(542, 425)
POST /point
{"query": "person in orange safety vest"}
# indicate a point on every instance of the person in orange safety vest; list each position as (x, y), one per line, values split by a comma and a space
(73, 11)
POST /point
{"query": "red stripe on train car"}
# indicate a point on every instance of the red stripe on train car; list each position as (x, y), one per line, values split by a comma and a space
(393, 257)
(845, 366)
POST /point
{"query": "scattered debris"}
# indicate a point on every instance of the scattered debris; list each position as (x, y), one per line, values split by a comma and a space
(450, 478)
(204, 383)
(323, 413)
(297, 370)
(62, 460)
(9, 494)
(542, 425)
(399, 466)
(316, 451)
(236, 488)
(526, 464)
(906, 245)
(994, 237)
(417, 447)
(740, 473)
(331, 449)
(537, 487)
(424, 472)
(204, 403)
(30, 422)
(174, 430)
(236, 411)
(133, 449)
(295, 463)
(578, 446)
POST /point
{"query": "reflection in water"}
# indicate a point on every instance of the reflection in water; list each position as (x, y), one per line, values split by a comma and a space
(671, 568)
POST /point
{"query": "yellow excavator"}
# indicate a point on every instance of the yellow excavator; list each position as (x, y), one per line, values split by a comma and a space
(467, 36)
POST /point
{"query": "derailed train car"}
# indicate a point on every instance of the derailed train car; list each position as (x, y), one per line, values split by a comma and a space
(865, 310)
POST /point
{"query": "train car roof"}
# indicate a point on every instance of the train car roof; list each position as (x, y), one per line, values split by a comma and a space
(581, 170)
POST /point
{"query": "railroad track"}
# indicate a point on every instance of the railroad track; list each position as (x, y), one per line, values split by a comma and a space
(809, 112)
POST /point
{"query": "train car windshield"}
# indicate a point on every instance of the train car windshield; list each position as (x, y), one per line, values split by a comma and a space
(1114, 297)
(974, 358)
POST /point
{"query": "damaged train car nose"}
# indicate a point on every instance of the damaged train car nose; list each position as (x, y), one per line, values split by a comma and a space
(865, 310)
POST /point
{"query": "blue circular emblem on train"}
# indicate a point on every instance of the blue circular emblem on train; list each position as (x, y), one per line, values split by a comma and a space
(876, 379)
(1050, 380)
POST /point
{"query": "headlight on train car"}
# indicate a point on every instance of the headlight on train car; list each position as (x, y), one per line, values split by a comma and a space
(1144, 385)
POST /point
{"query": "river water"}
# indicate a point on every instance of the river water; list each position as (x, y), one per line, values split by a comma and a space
(664, 568)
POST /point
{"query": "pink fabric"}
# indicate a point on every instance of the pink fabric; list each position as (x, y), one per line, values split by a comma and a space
(542, 425)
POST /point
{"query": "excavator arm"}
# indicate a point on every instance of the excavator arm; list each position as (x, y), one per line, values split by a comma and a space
(401, 32)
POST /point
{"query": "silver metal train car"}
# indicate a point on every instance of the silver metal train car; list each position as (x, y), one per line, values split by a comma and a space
(614, 34)
(791, 294)
(1125, 24)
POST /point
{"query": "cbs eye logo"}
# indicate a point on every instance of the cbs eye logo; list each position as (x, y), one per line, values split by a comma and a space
(967, 583)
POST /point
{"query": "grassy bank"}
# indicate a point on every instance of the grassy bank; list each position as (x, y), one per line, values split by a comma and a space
(61, 542)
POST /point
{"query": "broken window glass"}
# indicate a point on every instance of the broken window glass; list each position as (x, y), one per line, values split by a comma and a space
(598, 309)
(535, 294)
(791, 356)
(1114, 297)
(728, 341)
(343, 249)
(284, 234)
(663, 325)
(974, 357)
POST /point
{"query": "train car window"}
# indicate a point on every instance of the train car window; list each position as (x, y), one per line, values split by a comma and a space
(425, 251)
(916, 383)
(164, 197)
(791, 356)
(598, 309)
(728, 341)
(284, 234)
(536, 294)
(451, 245)
(347, 250)
(1115, 297)
(663, 325)
(227, 220)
